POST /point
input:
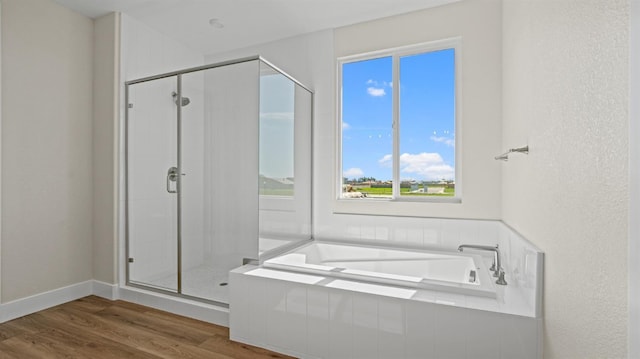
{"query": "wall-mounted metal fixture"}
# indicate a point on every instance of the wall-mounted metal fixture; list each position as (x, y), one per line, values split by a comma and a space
(497, 269)
(505, 156)
(185, 100)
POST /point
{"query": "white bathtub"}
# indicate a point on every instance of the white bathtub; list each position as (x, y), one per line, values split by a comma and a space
(443, 271)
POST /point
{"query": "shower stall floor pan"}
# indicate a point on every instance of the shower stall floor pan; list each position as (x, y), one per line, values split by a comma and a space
(201, 282)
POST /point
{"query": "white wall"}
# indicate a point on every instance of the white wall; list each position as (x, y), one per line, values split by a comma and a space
(480, 129)
(106, 52)
(0, 154)
(480, 107)
(634, 182)
(46, 147)
(566, 95)
(146, 52)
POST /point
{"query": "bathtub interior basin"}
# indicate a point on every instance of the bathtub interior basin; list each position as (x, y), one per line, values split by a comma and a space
(435, 270)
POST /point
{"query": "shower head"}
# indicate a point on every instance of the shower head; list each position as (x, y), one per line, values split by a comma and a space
(185, 100)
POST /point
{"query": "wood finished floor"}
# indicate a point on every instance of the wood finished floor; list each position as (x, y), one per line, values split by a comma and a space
(94, 327)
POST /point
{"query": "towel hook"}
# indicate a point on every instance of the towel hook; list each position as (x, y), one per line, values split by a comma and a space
(505, 156)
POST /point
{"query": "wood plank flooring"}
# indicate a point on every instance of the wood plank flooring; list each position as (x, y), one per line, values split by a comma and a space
(93, 327)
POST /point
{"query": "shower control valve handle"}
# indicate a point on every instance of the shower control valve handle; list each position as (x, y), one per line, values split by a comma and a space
(172, 176)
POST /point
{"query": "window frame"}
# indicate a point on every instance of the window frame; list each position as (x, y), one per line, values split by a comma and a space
(397, 53)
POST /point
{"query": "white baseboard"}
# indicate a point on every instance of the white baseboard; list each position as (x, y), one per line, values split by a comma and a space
(105, 290)
(188, 308)
(24, 306)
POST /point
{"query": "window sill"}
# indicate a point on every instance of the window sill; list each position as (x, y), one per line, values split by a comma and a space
(411, 207)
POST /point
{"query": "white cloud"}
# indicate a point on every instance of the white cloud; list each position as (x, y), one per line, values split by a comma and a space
(446, 140)
(379, 83)
(353, 172)
(429, 166)
(376, 92)
(345, 126)
(377, 88)
(385, 161)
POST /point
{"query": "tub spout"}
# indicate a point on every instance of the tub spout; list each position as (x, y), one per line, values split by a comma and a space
(496, 267)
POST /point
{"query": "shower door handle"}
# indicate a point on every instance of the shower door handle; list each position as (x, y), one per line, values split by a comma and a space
(172, 176)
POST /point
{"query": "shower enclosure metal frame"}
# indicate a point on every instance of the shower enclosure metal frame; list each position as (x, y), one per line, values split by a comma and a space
(178, 74)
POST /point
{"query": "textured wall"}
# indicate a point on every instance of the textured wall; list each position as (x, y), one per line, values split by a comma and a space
(565, 85)
(46, 147)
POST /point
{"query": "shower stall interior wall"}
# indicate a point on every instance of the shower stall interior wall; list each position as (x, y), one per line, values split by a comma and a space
(218, 171)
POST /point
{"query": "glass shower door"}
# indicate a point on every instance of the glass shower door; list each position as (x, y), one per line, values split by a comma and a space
(219, 159)
(152, 180)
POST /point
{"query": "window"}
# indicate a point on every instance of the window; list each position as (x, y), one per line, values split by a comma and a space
(398, 123)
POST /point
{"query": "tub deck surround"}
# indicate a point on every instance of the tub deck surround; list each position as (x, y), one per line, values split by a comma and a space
(522, 261)
(435, 270)
(314, 316)
(313, 309)
(508, 300)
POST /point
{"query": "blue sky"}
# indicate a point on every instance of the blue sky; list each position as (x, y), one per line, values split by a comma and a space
(427, 110)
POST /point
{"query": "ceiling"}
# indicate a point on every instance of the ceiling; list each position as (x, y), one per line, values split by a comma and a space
(246, 22)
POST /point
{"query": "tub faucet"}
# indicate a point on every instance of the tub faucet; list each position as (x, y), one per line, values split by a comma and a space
(495, 267)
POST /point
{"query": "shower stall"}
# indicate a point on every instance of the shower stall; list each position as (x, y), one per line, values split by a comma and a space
(218, 173)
